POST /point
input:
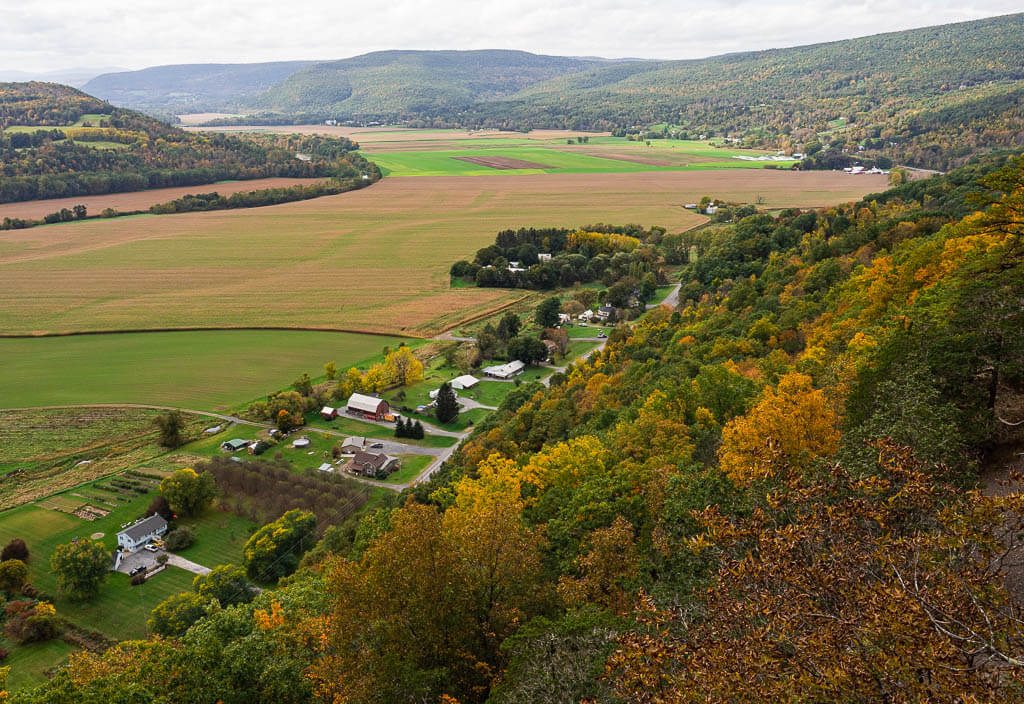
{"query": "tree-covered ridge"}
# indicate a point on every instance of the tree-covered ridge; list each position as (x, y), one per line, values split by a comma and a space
(402, 83)
(190, 87)
(928, 97)
(61, 160)
(765, 495)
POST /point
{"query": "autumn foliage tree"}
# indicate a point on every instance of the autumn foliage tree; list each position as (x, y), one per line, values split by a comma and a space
(783, 433)
(423, 613)
(868, 590)
(403, 367)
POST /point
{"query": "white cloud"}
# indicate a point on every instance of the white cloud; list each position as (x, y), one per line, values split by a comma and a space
(63, 34)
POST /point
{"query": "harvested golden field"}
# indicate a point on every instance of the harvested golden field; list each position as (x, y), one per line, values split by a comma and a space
(372, 260)
(141, 200)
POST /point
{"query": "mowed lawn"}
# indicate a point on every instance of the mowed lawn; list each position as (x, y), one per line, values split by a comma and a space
(205, 370)
(376, 259)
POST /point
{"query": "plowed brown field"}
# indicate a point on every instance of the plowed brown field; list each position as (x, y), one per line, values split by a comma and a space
(141, 200)
(375, 259)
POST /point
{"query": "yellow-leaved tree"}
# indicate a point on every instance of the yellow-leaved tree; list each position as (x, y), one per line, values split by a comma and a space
(403, 368)
(788, 429)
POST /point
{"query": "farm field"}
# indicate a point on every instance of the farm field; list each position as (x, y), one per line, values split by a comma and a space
(376, 259)
(618, 156)
(140, 200)
(205, 370)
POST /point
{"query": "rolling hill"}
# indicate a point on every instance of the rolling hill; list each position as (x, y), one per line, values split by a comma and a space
(57, 141)
(190, 87)
(427, 83)
(930, 97)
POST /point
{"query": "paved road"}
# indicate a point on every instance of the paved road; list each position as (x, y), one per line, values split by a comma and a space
(468, 403)
(671, 300)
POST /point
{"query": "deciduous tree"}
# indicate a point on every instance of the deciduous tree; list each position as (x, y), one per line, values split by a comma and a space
(81, 567)
(188, 492)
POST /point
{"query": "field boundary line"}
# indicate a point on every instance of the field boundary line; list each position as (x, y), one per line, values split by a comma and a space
(224, 328)
(480, 316)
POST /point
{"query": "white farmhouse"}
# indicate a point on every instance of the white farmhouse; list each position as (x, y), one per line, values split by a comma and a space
(141, 532)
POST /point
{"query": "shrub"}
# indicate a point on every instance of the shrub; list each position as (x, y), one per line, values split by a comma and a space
(15, 550)
(138, 579)
(30, 590)
(13, 574)
(3, 654)
(179, 539)
(34, 625)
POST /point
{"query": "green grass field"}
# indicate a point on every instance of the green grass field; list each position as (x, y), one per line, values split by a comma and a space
(29, 663)
(600, 155)
(206, 370)
(445, 163)
(412, 465)
(219, 538)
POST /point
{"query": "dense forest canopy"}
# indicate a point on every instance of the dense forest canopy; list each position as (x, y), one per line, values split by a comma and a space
(58, 142)
(769, 494)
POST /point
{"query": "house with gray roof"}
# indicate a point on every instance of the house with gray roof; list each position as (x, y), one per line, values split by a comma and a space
(141, 532)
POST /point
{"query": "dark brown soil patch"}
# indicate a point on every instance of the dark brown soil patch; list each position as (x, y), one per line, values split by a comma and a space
(502, 162)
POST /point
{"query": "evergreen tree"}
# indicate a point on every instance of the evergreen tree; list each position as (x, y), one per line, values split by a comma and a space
(447, 405)
(417, 431)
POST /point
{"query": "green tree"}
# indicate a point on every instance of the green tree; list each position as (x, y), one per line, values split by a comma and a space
(546, 315)
(509, 326)
(172, 426)
(176, 614)
(227, 584)
(13, 575)
(304, 385)
(331, 370)
(80, 566)
(188, 492)
(447, 405)
(529, 350)
(417, 431)
(275, 549)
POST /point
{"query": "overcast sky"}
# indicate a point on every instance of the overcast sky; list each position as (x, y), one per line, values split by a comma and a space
(63, 34)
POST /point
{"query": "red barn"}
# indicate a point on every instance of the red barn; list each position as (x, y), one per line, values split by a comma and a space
(369, 407)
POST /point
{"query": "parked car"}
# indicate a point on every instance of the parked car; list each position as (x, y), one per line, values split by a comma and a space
(135, 571)
(152, 548)
(601, 334)
(376, 446)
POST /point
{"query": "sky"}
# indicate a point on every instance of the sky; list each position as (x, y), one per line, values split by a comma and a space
(57, 35)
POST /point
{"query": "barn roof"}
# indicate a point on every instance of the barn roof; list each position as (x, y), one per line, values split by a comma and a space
(361, 402)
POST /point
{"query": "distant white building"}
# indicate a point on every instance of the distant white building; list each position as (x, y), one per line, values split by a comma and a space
(141, 532)
(466, 381)
(505, 371)
(711, 209)
(437, 392)
(544, 257)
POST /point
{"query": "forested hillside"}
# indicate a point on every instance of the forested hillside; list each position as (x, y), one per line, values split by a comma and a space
(56, 142)
(927, 97)
(190, 87)
(392, 84)
(767, 495)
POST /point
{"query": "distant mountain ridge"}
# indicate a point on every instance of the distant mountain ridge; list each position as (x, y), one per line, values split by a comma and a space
(191, 87)
(893, 94)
